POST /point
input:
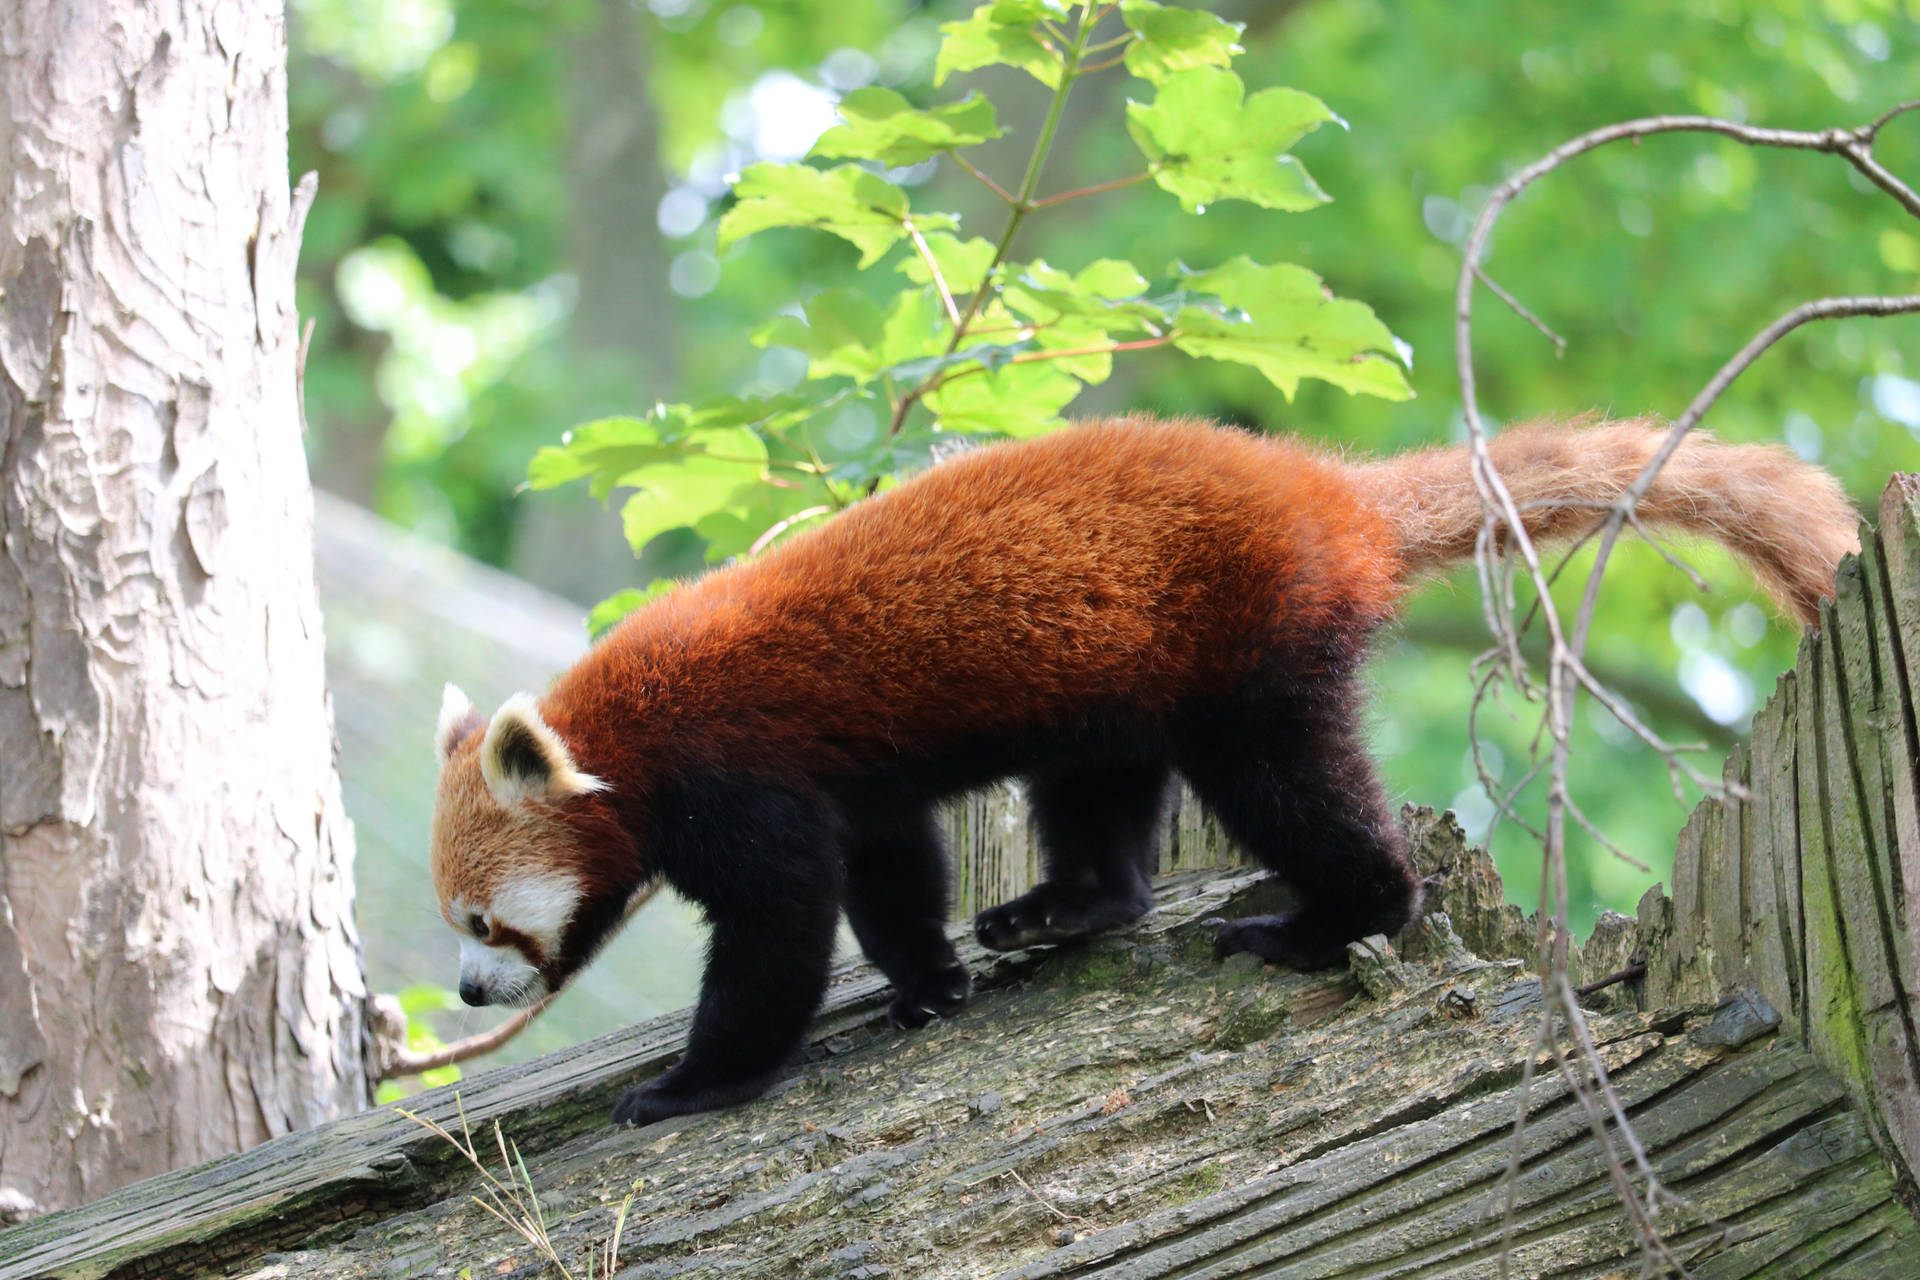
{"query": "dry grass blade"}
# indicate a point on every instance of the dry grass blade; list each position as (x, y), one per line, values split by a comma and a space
(515, 1203)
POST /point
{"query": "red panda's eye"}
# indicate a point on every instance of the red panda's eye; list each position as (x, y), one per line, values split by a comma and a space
(478, 924)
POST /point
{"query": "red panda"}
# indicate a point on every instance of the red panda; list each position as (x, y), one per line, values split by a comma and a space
(1095, 611)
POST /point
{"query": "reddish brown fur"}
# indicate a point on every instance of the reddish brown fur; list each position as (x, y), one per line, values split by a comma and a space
(480, 844)
(1133, 561)
(1148, 555)
(1094, 609)
(1789, 521)
(1151, 558)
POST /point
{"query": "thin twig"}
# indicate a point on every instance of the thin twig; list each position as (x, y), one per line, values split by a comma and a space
(412, 1062)
(779, 527)
(1515, 305)
(1045, 1203)
(397, 1060)
(1097, 189)
(1114, 61)
(991, 185)
(1872, 131)
(933, 269)
(1632, 973)
(1020, 205)
(1064, 353)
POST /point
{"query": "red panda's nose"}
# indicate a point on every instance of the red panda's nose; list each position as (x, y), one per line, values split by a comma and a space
(472, 992)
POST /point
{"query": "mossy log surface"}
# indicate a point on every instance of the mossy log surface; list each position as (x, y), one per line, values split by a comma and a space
(1124, 1108)
(1128, 1108)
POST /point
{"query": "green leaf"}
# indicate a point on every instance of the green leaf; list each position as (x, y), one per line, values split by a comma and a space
(914, 449)
(605, 450)
(845, 334)
(1109, 293)
(988, 355)
(679, 493)
(859, 207)
(733, 530)
(1205, 144)
(770, 414)
(601, 450)
(1289, 327)
(839, 335)
(963, 263)
(603, 616)
(1111, 278)
(1020, 400)
(1170, 40)
(1002, 33)
(1085, 311)
(882, 125)
(1079, 312)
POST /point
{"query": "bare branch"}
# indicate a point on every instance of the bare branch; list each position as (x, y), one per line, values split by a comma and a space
(779, 527)
(1513, 303)
(1096, 189)
(1636, 970)
(991, 185)
(1504, 551)
(1820, 309)
(1872, 131)
(397, 1060)
(412, 1062)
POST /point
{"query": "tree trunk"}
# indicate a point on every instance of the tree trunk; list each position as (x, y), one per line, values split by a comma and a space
(179, 972)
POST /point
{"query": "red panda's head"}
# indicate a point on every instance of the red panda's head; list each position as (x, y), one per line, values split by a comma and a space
(532, 868)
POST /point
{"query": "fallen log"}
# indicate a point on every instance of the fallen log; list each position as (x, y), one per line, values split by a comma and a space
(1128, 1108)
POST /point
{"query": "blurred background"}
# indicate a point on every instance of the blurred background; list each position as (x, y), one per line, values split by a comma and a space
(515, 232)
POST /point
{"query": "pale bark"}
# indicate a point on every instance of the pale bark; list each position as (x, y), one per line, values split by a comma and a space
(179, 972)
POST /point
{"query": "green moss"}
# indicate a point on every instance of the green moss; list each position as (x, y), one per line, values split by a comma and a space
(1200, 1182)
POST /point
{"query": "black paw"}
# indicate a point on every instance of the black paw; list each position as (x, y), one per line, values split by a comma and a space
(678, 1093)
(1282, 940)
(648, 1105)
(1048, 914)
(939, 994)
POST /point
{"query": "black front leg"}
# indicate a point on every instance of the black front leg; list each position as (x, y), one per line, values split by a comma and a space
(764, 865)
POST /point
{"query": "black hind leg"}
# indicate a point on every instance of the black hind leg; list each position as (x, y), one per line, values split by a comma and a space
(896, 900)
(1097, 842)
(1288, 779)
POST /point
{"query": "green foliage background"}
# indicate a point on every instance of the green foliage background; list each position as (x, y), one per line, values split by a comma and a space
(451, 266)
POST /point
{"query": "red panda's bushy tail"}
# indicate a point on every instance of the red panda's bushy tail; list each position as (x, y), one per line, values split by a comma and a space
(1787, 519)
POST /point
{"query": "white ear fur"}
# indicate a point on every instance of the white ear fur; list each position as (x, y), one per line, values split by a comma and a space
(522, 758)
(458, 718)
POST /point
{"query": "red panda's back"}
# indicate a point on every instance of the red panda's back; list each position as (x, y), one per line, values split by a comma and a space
(1130, 561)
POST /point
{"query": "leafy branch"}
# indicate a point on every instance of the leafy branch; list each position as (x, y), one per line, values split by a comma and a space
(951, 336)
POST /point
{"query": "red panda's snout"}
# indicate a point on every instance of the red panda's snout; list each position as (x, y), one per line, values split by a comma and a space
(514, 832)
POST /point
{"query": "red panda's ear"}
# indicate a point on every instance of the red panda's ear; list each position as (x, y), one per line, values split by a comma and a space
(458, 718)
(522, 758)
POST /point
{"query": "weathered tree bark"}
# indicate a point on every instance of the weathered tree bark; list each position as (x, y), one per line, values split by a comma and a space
(1807, 887)
(179, 972)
